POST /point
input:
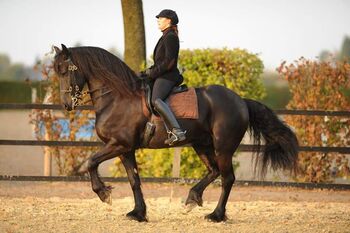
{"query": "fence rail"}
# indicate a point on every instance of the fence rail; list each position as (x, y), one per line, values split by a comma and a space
(40, 106)
(242, 148)
(90, 107)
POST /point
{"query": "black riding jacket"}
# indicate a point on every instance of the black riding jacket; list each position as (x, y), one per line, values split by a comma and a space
(165, 57)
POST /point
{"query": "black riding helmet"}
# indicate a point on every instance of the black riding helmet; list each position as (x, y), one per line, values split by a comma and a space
(170, 14)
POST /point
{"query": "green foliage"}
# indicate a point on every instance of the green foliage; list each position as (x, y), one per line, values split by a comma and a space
(10, 71)
(277, 97)
(345, 50)
(236, 69)
(158, 163)
(277, 90)
(5, 63)
(151, 163)
(191, 165)
(19, 91)
(342, 54)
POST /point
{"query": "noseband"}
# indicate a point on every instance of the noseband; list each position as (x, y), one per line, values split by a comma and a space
(79, 94)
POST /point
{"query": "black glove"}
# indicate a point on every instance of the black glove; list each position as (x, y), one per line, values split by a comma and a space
(144, 74)
(141, 75)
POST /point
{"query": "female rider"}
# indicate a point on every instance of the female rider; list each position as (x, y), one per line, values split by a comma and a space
(165, 73)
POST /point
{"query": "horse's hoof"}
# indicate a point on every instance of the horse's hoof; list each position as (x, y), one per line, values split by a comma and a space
(194, 198)
(189, 207)
(105, 194)
(215, 217)
(135, 215)
(109, 199)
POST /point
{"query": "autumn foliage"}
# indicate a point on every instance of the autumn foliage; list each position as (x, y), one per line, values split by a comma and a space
(319, 85)
(60, 125)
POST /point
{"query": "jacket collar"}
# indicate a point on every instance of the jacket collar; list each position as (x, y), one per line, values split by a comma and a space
(167, 30)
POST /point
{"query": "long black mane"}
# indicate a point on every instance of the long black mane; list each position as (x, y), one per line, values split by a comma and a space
(98, 63)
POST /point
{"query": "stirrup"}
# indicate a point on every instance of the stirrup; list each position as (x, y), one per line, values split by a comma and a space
(175, 135)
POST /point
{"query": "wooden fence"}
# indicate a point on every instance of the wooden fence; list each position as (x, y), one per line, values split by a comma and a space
(176, 164)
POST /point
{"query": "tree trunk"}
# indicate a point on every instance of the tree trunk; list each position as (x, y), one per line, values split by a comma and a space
(134, 34)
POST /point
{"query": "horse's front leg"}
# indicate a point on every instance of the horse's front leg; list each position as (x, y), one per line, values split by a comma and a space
(139, 211)
(109, 151)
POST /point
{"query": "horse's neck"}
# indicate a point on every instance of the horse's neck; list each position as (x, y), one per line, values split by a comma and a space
(103, 95)
(99, 93)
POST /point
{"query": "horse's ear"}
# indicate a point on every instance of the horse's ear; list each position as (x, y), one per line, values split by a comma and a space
(57, 50)
(65, 50)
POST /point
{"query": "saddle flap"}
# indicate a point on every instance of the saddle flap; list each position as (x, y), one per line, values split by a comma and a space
(184, 104)
(148, 94)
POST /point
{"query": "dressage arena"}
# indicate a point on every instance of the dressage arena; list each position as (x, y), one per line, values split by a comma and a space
(73, 207)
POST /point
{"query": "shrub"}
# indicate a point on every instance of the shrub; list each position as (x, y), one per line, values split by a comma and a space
(236, 69)
(321, 86)
(19, 91)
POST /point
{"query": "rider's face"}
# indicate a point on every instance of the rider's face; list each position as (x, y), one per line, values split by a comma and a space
(163, 23)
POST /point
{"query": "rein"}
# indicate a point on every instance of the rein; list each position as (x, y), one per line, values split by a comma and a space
(78, 94)
(95, 98)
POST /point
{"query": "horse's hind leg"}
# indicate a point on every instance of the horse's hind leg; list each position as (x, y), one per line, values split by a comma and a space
(207, 154)
(227, 178)
(224, 149)
(139, 211)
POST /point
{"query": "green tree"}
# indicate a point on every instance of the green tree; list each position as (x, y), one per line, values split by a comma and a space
(9, 71)
(277, 91)
(325, 55)
(134, 34)
(345, 49)
(16, 72)
(5, 63)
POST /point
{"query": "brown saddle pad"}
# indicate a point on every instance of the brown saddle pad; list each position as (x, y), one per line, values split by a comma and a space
(183, 104)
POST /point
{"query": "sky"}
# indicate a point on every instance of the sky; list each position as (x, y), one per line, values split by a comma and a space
(276, 30)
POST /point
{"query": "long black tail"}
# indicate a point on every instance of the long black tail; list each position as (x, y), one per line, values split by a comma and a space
(281, 144)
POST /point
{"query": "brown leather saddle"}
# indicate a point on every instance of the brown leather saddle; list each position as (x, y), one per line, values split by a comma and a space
(182, 101)
(148, 95)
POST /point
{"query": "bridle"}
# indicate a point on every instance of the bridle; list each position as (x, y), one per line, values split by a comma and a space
(79, 94)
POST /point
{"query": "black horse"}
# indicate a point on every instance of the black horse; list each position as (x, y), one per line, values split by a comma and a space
(224, 117)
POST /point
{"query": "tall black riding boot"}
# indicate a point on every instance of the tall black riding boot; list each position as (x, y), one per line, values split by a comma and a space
(177, 135)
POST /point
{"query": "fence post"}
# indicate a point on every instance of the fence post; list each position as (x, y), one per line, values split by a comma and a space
(34, 95)
(176, 162)
(47, 150)
(47, 158)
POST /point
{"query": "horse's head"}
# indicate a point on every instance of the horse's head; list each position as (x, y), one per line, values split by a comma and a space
(71, 79)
